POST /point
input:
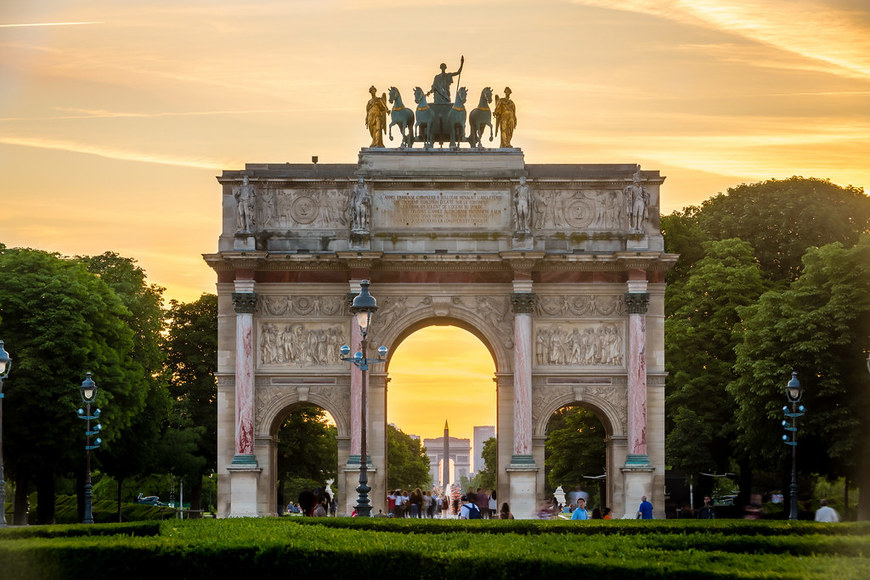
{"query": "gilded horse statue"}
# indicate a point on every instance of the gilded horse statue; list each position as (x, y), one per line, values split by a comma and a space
(479, 118)
(403, 117)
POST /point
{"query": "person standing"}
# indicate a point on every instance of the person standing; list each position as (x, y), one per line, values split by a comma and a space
(645, 511)
(580, 513)
(707, 512)
(469, 509)
(826, 513)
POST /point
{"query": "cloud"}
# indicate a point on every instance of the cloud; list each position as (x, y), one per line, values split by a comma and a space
(35, 24)
(115, 153)
(811, 29)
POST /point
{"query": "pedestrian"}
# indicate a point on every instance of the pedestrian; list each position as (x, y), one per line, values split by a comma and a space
(469, 510)
(707, 512)
(826, 514)
(580, 513)
(645, 511)
(505, 513)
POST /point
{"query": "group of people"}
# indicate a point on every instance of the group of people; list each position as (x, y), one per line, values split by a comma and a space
(415, 504)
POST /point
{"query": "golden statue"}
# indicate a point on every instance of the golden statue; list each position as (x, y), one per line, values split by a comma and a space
(376, 117)
(505, 117)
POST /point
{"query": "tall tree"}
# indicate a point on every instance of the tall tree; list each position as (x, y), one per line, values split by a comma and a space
(487, 477)
(61, 321)
(782, 218)
(699, 347)
(133, 451)
(190, 348)
(407, 462)
(575, 448)
(307, 451)
(819, 327)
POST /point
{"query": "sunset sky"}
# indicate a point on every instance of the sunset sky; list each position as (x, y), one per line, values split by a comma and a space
(116, 116)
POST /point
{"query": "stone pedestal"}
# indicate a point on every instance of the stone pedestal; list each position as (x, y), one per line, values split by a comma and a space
(523, 489)
(244, 477)
(244, 241)
(349, 494)
(637, 482)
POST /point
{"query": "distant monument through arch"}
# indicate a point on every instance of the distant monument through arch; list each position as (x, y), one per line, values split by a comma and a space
(558, 268)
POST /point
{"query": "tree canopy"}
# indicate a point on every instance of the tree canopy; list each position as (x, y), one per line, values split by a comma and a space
(407, 462)
(575, 447)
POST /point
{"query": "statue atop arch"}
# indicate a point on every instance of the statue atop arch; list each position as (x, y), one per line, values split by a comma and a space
(442, 81)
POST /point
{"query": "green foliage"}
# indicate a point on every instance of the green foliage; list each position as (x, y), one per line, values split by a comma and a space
(782, 218)
(351, 547)
(818, 327)
(307, 451)
(407, 462)
(487, 477)
(60, 321)
(575, 447)
(699, 347)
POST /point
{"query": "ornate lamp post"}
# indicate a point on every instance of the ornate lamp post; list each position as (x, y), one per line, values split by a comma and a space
(5, 365)
(363, 307)
(89, 394)
(793, 392)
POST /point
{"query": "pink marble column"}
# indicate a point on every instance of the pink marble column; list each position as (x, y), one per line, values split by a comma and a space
(523, 305)
(637, 306)
(244, 304)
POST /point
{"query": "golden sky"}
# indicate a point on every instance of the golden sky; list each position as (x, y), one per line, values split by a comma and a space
(115, 117)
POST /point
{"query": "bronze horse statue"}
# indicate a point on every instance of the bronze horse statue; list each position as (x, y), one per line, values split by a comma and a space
(401, 116)
(456, 118)
(423, 128)
(479, 118)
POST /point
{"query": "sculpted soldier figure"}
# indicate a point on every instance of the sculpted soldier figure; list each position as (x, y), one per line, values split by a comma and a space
(522, 206)
(441, 83)
(360, 205)
(505, 117)
(245, 206)
(636, 202)
(376, 117)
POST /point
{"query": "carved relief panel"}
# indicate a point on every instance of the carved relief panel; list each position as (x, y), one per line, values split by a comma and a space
(601, 210)
(317, 209)
(301, 344)
(585, 344)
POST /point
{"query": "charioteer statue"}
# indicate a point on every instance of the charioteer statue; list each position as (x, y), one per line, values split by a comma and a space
(442, 81)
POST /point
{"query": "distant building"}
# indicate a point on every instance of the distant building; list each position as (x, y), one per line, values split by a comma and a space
(459, 451)
(481, 434)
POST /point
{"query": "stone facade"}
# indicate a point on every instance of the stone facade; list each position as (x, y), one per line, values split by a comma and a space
(570, 304)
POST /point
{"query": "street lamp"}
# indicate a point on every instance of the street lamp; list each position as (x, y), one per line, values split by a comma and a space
(5, 365)
(89, 394)
(793, 392)
(363, 307)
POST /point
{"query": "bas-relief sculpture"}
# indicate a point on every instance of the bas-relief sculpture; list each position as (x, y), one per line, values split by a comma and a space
(308, 344)
(590, 344)
(288, 209)
(572, 306)
(581, 210)
(278, 306)
(610, 399)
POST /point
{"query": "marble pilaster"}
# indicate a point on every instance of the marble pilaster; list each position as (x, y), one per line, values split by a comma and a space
(637, 302)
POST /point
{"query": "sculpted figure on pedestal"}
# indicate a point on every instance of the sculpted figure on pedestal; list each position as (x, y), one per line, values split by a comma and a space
(505, 117)
(244, 196)
(376, 117)
(522, 207)
(442, 81)
(360, 206)
(636, 203)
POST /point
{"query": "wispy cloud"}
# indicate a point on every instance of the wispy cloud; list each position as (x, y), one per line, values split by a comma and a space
(115, 153)
(811, 29)
(35, 24)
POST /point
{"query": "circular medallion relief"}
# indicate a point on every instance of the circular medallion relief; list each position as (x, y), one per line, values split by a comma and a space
(304, 210)
(579, 214)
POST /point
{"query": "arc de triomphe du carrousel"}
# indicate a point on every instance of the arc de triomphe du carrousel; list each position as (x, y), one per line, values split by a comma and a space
(558, 269)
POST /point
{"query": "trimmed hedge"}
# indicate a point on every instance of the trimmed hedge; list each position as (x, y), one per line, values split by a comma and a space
(331, 547)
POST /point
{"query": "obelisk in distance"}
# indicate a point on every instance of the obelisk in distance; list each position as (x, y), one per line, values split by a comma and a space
(445, 471)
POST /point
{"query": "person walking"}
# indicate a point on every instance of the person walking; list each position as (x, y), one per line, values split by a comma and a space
(645, 511)
(707, 512)
(826, 513)
(580, 513)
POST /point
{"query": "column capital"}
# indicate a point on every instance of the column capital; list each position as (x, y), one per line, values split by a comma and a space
(523, 302)
(637, 302)
(244, 302)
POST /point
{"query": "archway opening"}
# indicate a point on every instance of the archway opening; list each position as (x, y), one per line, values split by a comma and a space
(576, 457)
(442, 376)
(307, 459)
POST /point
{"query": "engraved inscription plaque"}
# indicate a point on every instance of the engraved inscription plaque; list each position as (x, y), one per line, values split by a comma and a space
(409, 210)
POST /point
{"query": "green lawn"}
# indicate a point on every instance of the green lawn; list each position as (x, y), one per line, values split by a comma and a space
(383, 548)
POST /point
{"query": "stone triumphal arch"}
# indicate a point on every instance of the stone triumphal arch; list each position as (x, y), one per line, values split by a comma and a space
(558, 269)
